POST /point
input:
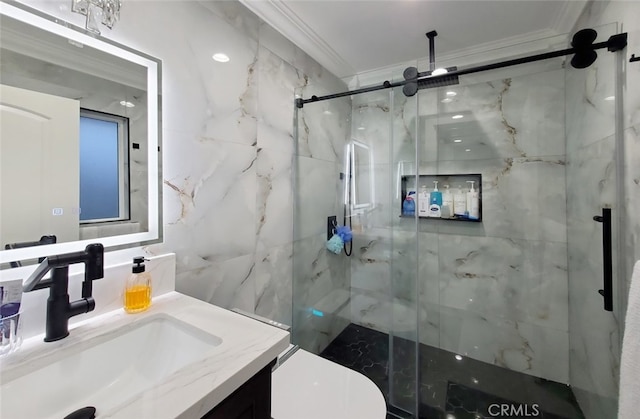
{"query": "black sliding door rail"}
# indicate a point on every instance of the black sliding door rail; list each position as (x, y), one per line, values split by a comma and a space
(614, 43)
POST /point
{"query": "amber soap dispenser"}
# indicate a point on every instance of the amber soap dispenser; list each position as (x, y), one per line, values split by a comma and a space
(137, 291)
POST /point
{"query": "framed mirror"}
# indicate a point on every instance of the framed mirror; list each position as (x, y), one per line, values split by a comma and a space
(79, 147)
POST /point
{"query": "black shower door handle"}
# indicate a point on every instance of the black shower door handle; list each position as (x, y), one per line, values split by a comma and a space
(607, 258)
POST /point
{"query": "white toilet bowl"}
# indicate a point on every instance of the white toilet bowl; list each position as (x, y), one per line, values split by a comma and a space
(307, 386)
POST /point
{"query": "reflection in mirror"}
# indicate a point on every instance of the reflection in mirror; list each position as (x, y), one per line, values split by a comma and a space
(362, 176)
(79, 141)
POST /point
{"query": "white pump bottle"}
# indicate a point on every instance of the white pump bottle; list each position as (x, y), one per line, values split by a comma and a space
(473, 202)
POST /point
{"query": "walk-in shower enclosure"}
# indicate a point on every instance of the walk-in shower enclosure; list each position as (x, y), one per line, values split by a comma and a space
(517, 290)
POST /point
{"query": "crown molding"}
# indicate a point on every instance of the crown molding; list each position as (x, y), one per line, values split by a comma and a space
(279, 16)
(506, 48)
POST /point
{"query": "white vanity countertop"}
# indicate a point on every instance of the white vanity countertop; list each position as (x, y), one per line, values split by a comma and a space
(247, 346)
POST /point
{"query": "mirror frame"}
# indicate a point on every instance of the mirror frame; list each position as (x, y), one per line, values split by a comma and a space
(153, 65)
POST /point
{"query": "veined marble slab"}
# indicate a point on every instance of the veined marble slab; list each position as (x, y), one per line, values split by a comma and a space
(518, 346)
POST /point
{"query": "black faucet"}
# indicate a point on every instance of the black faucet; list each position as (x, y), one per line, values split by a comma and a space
(59, 309)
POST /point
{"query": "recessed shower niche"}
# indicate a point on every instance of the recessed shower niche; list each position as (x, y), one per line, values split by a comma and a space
(457, 197)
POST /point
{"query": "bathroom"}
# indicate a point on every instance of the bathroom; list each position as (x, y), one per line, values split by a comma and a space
(248, 182)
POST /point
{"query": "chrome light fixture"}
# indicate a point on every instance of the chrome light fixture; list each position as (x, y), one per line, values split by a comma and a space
(105, 11)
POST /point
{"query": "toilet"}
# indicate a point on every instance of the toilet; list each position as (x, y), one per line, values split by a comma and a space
(306, 386)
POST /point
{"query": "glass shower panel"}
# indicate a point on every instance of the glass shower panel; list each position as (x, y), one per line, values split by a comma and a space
(501, 282)
(472, 308)
(404, 291)
(321, 279)
(370, 260)
(427, 122)
(592, 190)
(358, 307)
(382, 276)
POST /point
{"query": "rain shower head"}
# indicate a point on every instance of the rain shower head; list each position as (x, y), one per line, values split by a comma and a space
(432, 78)
(413, 85)
(441, 80)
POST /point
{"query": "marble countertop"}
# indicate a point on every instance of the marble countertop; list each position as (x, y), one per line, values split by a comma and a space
(247, 346)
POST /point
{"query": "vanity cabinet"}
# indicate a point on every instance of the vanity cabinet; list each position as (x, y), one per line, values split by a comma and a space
(251, 401)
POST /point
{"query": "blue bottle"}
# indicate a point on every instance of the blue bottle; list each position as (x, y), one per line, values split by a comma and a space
(435, 202)
(409, 204)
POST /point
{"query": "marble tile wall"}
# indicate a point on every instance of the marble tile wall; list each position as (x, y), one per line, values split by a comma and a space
(228, 146)
(496, 290)
(595, 335)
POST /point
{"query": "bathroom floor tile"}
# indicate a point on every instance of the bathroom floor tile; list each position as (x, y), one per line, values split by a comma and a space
(448, 383)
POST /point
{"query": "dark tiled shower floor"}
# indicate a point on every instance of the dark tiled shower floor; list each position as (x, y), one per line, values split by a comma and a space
(449, 388)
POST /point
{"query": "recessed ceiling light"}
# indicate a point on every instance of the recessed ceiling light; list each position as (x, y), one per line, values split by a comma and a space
(458, 357)
(127, 104)
(457, 140)
(447, 100)
(220, 57)
(609, 98)
(360, 128)
(457, 116)
(467, 149)
(439, 71)
(450, 93)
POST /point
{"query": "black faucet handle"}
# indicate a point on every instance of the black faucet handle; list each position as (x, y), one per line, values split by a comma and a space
(94, 265)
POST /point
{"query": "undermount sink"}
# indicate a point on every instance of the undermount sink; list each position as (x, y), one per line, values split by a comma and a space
(109, 371)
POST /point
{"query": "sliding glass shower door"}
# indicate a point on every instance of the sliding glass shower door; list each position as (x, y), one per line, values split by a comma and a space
(510, 290)
(479, 215)
(358, 307)
(597, 256)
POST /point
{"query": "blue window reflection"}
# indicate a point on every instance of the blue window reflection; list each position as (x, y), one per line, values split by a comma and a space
(99, 172)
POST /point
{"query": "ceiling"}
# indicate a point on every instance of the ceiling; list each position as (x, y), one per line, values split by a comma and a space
(351, 37)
